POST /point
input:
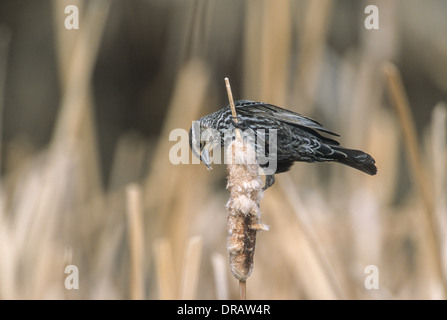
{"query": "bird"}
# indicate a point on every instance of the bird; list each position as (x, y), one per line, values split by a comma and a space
(298, 138)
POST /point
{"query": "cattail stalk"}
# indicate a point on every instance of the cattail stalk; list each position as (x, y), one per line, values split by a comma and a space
(243, 207)
(136, 242)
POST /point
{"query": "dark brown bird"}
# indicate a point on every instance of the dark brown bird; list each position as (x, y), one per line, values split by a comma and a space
(298, 138)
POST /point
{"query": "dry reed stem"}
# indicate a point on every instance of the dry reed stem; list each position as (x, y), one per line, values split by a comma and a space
(5, 36)
(438, 146)
(243, 289)
(165, 274)
(220, 276)
(274, 51)
(77, 54)
(65, 40)
(439, 167)
(230, 99)
(401, 104)
(312, 42)
(79, 72)
(253, 37)
(402, 107)
(267, 56)
(9, 261)
(136, 241)
(232, 106)
(191, 268)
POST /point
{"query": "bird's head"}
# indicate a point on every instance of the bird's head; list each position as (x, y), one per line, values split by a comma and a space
(202, 141)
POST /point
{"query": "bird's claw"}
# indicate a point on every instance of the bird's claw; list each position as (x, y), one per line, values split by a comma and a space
(238, 123)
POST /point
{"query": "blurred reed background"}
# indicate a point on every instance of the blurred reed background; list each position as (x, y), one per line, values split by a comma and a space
(86, 177)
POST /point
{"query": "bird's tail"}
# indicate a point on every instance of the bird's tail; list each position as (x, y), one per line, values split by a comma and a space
(357, 159)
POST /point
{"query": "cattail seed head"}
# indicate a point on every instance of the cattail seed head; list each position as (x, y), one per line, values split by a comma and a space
(245, 189)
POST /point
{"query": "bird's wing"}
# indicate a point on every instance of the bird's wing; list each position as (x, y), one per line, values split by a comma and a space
(270, 111)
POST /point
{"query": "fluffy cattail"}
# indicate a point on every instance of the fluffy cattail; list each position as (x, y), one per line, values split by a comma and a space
(245, 189)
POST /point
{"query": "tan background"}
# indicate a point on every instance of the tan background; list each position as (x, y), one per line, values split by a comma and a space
(87, 112)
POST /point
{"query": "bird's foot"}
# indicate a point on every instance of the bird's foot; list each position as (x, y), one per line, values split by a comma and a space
(238, 123)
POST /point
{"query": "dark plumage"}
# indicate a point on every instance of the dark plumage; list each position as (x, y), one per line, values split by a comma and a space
(298, 137)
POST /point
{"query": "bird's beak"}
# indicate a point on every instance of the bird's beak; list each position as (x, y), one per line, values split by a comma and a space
(205, 157)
